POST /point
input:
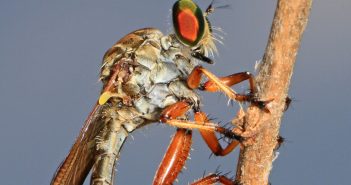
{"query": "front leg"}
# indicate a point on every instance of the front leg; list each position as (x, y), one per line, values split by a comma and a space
(223, 84)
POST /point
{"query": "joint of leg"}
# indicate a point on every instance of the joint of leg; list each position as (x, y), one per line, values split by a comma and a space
(254, 100)
(232, 135)
(217, 153)
(164, 118)
(202, 87)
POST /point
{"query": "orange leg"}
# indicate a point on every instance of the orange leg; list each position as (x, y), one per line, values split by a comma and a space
(210, 138)
(173, 111)
(213, 178)
(174, 159)
(216, 84)
(179, 148)
(223, 84)
(231, 80)
(205, 126)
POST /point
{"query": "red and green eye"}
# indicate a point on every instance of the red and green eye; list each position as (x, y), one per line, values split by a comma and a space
(188, 22)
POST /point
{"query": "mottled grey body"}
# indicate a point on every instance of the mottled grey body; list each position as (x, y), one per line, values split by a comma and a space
(152, 73)
(149, 72)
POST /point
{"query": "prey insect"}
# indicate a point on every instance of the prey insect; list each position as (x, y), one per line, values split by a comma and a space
(149, 77)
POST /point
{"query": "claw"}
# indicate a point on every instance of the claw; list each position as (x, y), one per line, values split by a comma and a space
(232, 135)
(288, 101)
(261, 104)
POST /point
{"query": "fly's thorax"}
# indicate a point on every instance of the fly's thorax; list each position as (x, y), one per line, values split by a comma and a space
(126, 47)
(151, 70)
(170, 64)
(176, 52)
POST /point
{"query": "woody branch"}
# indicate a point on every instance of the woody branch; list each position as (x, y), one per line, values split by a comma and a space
(273, 80)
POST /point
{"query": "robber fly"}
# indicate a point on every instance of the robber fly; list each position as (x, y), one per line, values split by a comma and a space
(150, 77)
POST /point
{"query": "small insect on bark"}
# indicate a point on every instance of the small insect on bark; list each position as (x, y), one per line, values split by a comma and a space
(150, 77)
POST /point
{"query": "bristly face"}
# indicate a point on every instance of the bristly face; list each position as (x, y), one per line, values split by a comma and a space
(192, 27)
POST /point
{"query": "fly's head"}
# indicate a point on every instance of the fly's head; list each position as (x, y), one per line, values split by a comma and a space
(193, 29)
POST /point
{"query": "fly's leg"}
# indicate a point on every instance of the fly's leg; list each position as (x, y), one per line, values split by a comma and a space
(231, 80)
(223, 84)
(214, 178)
(211, 140)
(179, 148)
(174, 158)
(206, 129)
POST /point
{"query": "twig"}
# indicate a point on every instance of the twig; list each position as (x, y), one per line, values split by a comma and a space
(273, 80)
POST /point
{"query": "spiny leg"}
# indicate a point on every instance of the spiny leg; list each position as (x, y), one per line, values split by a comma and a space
(174, 158)
(207, 131)
(210, 138)
(215, 84)
(231, 80)
(178, 109)
(223, 84)
(212, 179)
(205, 126)
(179, 148)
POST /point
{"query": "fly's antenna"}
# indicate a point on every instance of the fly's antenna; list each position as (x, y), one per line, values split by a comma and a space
(210, 9)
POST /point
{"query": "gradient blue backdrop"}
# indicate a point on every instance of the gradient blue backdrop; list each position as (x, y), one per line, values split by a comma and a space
(50, 54)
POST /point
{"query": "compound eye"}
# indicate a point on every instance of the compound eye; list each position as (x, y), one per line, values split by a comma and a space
(188, 22)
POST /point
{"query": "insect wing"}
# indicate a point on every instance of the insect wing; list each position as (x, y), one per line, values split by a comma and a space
(74, 169)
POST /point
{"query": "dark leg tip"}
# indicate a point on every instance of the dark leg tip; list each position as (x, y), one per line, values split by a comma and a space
(261, 104)
(231, 135)
(287, 103)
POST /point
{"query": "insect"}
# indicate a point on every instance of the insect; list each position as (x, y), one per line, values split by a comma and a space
(149, 77)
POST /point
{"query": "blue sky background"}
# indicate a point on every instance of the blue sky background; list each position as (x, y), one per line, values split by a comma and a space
(50, 54)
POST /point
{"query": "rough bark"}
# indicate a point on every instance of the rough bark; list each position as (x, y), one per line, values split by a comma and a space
(273, 80)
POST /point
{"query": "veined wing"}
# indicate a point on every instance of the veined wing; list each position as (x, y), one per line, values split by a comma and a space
(81, 157)
(74, 169)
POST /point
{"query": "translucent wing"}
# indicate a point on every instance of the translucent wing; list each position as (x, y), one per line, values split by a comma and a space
(74, 169)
